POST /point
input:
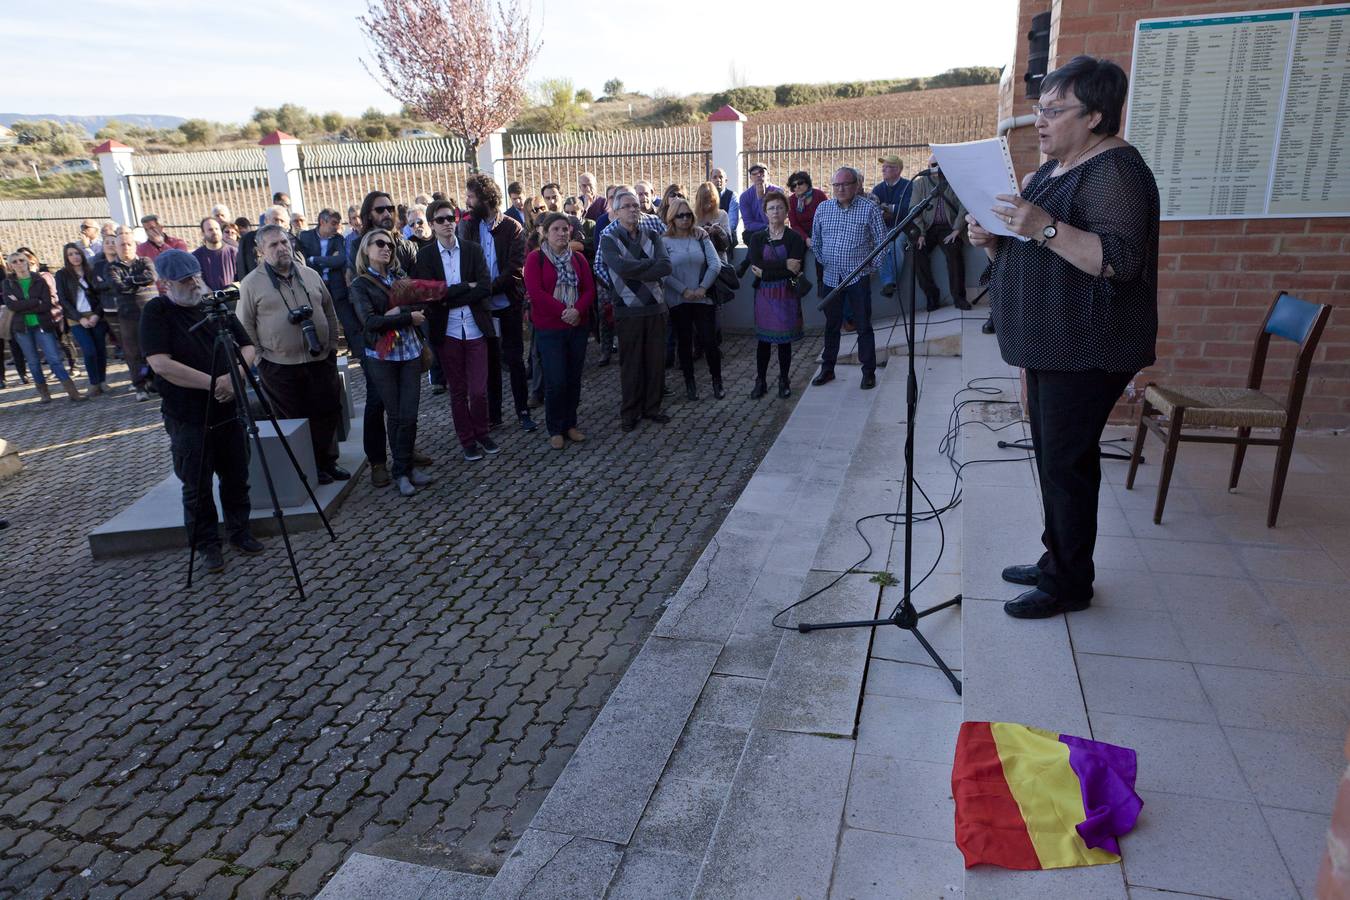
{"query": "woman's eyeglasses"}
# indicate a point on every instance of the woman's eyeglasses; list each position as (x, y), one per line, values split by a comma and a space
(381, 245)
(684, 215)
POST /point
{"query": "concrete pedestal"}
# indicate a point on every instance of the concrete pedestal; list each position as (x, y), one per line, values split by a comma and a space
(290, 490)
(10, 464)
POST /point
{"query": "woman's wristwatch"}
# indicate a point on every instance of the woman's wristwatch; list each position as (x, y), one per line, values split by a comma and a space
(1048, 232)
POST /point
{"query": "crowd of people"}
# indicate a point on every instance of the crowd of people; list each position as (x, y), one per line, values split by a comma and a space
(508, 289)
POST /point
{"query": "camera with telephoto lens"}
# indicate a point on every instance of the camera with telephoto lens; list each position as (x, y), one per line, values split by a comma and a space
(304, 317)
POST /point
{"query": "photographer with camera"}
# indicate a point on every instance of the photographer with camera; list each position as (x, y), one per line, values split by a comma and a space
(199, 411)
(289, 315)
(131, 279)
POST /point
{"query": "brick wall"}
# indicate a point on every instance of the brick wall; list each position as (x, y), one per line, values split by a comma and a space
(1217, 278)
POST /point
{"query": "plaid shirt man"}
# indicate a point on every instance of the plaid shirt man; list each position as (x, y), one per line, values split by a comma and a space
(842, 238)
(646, 222)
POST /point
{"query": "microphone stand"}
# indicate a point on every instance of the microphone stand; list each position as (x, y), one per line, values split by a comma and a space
(904, 615)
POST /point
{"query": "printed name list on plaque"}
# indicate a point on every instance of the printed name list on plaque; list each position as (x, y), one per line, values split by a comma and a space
(1245, 115)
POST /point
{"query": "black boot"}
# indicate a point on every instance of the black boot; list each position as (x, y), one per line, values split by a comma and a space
(718, 392)
(784, 389)
(690, 388)
(760, 388)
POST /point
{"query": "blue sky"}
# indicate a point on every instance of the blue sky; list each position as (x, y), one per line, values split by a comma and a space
(220, 60)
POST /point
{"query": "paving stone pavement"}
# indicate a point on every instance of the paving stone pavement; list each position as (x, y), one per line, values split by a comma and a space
(233, 741)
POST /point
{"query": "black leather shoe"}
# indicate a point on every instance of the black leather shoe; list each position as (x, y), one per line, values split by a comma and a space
(988, 326)
(1028, 575)
(339, 473)
(247, 544)
(825, 377)
(759, 390)
(719, 392)
(325, 477)
(690, 389)
(869, 381)
(888, 290)
(658, 418)
(784, 388)
(629, 426)
(212, 560)
(1037, 604)
(962, 303)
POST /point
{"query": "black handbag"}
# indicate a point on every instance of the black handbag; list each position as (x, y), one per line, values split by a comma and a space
(801, 286)
(725, 287)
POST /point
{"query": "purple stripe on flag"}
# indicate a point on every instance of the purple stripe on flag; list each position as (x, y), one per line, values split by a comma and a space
(1106, 775)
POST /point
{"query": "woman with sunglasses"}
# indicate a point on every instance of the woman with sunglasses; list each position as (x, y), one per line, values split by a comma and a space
(77, 291)
(393, 349)
(33, 327)
(694, 267)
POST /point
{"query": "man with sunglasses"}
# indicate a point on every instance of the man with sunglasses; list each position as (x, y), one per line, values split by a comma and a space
(941, 225)
(458, 327)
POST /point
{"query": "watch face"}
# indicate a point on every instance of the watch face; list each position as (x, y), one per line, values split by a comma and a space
(1050, 231)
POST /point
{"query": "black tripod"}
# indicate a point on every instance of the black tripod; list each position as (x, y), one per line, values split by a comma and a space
(904, 615)
(218, 318)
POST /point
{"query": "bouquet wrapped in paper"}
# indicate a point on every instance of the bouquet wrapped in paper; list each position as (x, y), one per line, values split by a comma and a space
(416, 292)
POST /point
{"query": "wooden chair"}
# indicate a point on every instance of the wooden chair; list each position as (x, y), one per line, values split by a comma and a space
(1241, 408)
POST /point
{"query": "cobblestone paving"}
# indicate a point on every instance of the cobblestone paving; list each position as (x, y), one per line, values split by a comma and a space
(455, 647)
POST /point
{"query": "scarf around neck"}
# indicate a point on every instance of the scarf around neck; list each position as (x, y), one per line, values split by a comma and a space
(565, 291)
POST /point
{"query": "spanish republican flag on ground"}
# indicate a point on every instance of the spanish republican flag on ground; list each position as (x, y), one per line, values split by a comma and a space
(1027, 798)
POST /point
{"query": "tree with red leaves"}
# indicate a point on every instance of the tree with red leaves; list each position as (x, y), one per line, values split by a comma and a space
(459, 63)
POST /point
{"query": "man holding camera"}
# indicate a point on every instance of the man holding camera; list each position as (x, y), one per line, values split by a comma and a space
(288, 313)
(199, 410)
(131, 279)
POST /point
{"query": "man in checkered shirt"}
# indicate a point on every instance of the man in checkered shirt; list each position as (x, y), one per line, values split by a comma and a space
(846, 229)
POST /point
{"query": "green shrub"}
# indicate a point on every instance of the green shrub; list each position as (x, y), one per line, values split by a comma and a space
(798, 94)
(585, 96)
(965, 76)
(614, 87)
(744, 99)
(851, 89)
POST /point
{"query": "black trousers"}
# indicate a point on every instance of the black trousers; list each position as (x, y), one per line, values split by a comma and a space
(308, 391)
(510, 347)
(956, 265)
(642, 365)
(200, 453)
(696, 320)
(1068, 411)
(400, 386)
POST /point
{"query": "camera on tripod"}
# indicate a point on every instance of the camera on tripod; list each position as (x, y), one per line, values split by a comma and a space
(304, 317)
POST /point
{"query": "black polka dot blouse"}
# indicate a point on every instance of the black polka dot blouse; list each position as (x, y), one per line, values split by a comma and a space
(1052, 315)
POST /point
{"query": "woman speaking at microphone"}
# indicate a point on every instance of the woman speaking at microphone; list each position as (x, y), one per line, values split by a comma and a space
(1076, 307)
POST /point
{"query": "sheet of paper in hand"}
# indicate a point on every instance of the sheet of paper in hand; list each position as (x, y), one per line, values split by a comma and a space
(978, 171)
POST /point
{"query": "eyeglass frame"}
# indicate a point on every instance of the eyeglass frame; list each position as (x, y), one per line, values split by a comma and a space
(1052, 113)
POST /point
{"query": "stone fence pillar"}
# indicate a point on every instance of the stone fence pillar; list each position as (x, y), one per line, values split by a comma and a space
(728, 142)
(492, 159)
(283, 168)
(124, 201)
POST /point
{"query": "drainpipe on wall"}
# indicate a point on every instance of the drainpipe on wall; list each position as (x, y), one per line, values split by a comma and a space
(1012, 122)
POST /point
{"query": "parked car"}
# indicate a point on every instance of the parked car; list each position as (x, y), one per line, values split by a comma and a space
(417, 133)
(71, 166)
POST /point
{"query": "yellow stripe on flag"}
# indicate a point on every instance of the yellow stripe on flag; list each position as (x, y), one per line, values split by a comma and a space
(1048, 793)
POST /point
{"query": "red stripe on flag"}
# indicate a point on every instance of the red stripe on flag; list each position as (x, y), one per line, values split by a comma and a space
(989, 825)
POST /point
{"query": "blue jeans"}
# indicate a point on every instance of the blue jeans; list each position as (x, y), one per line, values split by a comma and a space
(859, 294)
(94, 348)
(30, 341)
(892, 261)
(562, 353)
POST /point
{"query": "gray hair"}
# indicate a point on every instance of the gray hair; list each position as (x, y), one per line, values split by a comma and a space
(619, 195)
(280, 212)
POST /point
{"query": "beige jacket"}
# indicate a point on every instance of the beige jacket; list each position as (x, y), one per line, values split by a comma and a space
(262, 310)
(956, 210)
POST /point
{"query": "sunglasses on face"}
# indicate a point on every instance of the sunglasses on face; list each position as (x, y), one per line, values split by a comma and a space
(443, 220)
(684, 215)
(381, 209)
(381, 245)
(541, 209)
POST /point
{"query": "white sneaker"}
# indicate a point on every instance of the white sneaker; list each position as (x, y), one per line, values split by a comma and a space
(405, 487)
(420, 478)
(141, 396)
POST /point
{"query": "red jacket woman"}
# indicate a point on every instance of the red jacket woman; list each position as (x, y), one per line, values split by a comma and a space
(803, 202)
(561, 291)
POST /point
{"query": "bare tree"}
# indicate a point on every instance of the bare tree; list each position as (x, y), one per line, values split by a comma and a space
(458, 63)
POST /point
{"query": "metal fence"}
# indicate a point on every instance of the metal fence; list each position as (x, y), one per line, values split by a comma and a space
(340, 175)
(181, 188)
(44, 226)
(819, 148)
(659, 155)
